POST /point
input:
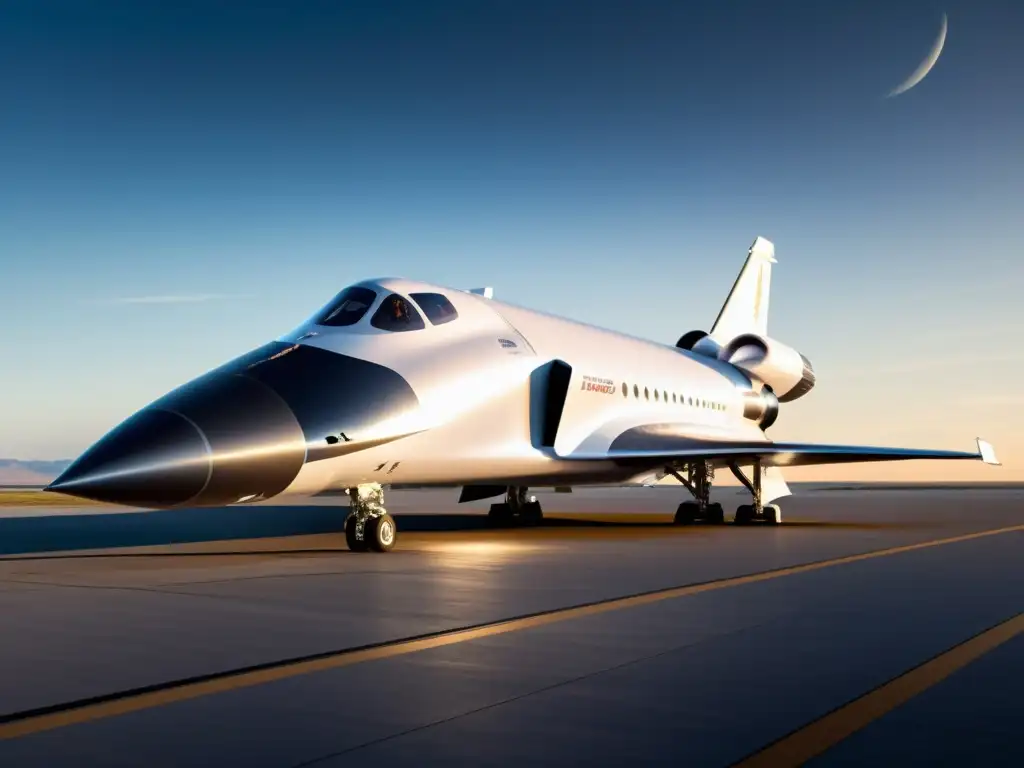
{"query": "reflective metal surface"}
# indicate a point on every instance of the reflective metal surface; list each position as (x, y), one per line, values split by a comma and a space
(226, 439)
(762, 407)
(353, 402)
(154, 455)
(807, 382)
(242, 431)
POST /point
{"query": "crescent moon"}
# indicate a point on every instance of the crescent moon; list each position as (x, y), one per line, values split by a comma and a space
(926, 65)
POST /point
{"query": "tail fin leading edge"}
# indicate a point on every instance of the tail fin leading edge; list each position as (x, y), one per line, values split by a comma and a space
(746, 308)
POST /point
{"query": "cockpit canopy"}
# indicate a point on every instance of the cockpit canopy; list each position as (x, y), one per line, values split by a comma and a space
(395, 312)
(347, 308)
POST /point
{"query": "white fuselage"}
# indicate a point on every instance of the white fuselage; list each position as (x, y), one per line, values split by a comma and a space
(475, 379)
(400, 382)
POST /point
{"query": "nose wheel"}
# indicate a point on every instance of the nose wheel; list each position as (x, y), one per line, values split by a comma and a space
(369, 527)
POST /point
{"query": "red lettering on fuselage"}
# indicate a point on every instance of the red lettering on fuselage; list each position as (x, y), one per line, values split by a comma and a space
(604, 386)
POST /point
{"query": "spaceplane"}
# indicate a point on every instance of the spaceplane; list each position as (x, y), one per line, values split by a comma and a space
(397, 382)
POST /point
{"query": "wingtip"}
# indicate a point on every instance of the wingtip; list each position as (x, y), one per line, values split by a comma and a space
(764, 248)
(987, 453)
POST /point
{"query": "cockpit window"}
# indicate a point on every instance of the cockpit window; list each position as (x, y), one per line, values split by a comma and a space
(347, 307)
(436, 307)
(396, 314)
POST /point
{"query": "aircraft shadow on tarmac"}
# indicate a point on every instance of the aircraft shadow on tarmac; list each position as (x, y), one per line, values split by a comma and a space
(54, 533)
(57, 533)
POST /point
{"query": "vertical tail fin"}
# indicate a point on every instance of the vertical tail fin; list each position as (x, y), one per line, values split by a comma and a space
(746, 308)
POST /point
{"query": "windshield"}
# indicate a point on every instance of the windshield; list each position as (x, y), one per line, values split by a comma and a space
(396, 314)
(436, 307)
(347, 307)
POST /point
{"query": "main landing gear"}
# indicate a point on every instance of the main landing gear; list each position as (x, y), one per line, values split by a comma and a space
(516, 508)
(698, 480)
(756, 512)
(369, 526)
(699, 476)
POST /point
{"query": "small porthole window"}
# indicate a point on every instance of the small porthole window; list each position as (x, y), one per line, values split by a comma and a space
(656, 397)
(636, 391)
(625, 389)
(673, 397)
(647, 394)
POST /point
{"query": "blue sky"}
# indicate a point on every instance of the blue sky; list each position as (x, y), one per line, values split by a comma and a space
(609, 161)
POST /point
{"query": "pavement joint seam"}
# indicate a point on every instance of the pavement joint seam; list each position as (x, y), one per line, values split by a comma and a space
(821, 734)
(21, 723)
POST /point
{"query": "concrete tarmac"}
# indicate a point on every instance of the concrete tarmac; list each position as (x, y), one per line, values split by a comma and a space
(879, 626)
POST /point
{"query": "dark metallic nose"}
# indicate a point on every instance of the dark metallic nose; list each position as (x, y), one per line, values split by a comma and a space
(243, 431)
(153, 456)
(221, 439)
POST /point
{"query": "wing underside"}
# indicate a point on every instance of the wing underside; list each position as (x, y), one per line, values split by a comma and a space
(772, 454)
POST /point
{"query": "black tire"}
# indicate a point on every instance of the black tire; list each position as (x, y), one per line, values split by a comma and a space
(744, 514)
(686, 513)
(381, 533)
(500, 514)
(531, 513)
(715, 514)
(354, 544)
(772, 514)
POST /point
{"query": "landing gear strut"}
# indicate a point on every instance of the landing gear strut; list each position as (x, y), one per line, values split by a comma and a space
(698, 480)
(369, 526)
(756, 512)
(517, 508)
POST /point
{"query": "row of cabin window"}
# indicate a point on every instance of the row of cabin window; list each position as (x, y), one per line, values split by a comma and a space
(663, 396)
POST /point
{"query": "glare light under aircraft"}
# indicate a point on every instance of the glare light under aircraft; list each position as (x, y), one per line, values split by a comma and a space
(395, 381)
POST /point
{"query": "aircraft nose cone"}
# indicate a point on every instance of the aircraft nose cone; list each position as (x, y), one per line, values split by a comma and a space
(153, 454)
(221, 439)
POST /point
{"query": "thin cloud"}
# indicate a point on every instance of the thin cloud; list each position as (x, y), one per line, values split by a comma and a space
(183, 298)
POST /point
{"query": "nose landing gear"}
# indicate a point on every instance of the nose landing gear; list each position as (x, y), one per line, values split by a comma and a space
(369, 526)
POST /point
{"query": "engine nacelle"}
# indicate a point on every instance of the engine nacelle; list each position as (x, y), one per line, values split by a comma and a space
(782, 368)
(700, 343)
(762, 407)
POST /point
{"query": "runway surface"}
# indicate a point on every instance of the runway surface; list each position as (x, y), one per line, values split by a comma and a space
(878, 626)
